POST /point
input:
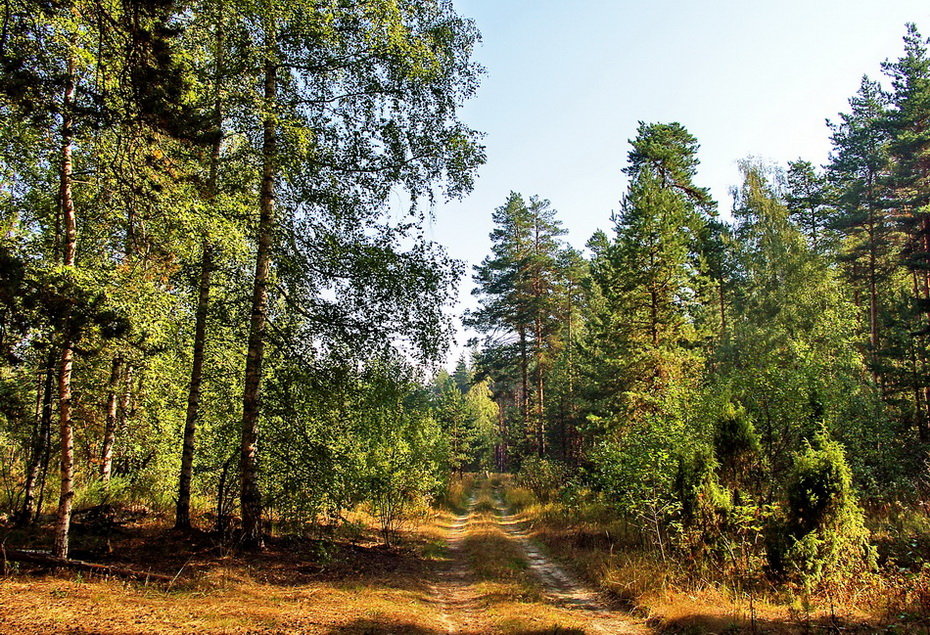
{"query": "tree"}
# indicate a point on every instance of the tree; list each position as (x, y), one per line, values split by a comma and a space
(792, 356)
(909, 179)
(355, 100)
(806, 200)
(857, 170)
(517, 286)
(646, 274)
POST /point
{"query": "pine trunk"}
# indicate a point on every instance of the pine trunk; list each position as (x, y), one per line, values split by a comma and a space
(540, 406)
(524, 383)
(250, 497)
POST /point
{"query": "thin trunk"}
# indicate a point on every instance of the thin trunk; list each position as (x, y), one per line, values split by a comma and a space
(654, 316)
(920, 372)
(66, 360)
(38, 461)
(250, 497)
(524, 382)
(502, 445)
(574, 439)
(873, 297)
(182, 513)
(723, 309)
(540, 406)
(873, 275)
(126, 404)
(109, 431)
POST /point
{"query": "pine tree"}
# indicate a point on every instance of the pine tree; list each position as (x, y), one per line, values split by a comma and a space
(647, 275)
(516, 285)
(909, 179)
(806, 200)
(857, 170)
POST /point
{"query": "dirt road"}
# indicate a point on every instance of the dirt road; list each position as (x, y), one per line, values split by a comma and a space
(497, 580)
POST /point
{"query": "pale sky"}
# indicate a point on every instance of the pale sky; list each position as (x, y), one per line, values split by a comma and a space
(567, 82)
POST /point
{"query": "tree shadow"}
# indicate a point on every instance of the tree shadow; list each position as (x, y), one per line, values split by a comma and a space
(365, 626)
(385, 627)
(711, 623)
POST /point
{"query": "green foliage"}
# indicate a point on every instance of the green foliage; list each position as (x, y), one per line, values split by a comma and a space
(736, 444)
(541, 476)
(704, 503)
(825, 535)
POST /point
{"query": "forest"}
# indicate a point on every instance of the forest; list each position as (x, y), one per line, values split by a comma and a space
(222, 347)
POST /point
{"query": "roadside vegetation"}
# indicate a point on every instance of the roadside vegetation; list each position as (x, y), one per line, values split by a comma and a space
(220, 345)
(677, 590)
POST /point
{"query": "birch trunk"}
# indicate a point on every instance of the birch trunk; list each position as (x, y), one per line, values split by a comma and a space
(66, 360)
(250, 497)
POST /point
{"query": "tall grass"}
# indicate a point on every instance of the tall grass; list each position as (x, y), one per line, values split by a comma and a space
(612, 553)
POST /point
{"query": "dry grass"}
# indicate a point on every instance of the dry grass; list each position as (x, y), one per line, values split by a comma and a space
(295, 586)
(607, 552)
(227, 600)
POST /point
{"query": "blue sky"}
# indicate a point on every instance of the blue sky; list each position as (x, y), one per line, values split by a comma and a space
(567, 83)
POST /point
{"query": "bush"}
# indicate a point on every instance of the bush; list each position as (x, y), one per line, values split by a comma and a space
(704, 505)
(736, 444)
(823, 533)
(542, 477)
(702, 498)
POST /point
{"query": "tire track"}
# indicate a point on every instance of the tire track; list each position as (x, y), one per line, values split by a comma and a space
(457, 603)
(560, 587)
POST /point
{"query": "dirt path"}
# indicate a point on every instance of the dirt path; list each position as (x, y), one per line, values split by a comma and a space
(561, 587)
(465, 606)
(458, 603)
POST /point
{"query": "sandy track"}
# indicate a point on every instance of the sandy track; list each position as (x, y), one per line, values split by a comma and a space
(460, 604)
(560, 586)
(453, 589)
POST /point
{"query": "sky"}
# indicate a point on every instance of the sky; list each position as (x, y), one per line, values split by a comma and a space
(567, 82)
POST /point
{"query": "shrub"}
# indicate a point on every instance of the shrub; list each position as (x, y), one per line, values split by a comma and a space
(704, 504)
(542, 476)
(823, 532)
(736, 444)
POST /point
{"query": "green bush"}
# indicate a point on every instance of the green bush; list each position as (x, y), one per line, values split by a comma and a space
(736, 444)
(822, 534)
(703, 500)
(704, 504)
(542, 477)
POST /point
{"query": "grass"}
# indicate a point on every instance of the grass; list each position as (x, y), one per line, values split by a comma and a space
(237, 602)
(610, 554)
(296, 585)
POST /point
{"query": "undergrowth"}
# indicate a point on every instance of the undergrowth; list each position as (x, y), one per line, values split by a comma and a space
(677, 593)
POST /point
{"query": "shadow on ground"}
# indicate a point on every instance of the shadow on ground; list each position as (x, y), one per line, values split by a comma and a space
(376, 627)
(699, 624)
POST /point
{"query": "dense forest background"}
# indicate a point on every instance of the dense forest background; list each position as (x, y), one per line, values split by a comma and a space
(207, 308)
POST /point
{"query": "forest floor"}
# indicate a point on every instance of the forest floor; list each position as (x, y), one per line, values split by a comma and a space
(478, 569)
(470, 572)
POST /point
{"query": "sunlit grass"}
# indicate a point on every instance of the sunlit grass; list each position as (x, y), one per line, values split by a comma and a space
(610, 553)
